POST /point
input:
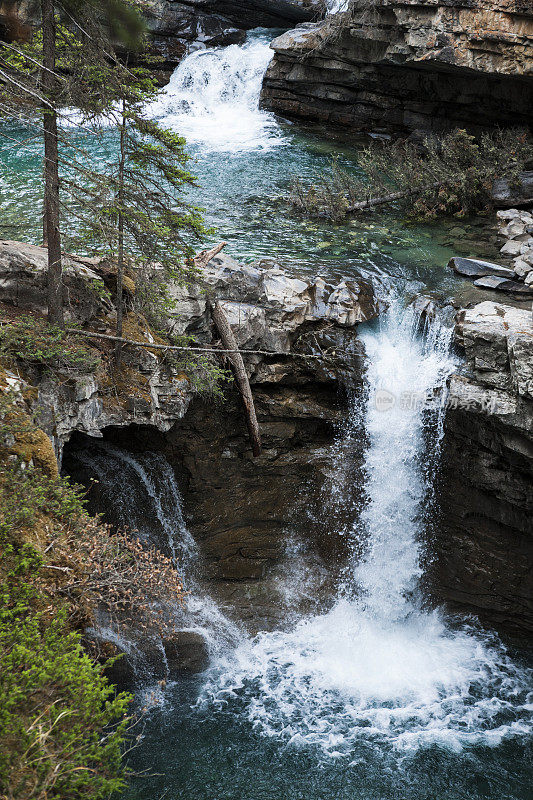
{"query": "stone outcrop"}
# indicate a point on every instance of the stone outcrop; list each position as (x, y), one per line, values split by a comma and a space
(401, 65)
(484, 543)
(516, 227)
(267, 310)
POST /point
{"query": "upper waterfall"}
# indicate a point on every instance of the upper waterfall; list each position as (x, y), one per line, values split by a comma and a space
(212, 99)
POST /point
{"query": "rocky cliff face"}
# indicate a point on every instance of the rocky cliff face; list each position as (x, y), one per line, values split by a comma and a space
(266, 309)
(484, 544)
(242, 510)
(177, 28)
(400, 65)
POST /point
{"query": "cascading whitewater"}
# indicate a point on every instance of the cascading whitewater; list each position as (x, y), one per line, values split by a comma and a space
(135, 483)
(141, 494)
(336, 6)
(212, 99)
(377, 667)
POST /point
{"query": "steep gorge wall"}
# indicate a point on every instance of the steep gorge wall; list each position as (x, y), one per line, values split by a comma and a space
(400, 65)
(484, 544)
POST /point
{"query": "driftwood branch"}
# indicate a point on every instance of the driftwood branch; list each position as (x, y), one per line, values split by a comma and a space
(389, 198)
(241, 378)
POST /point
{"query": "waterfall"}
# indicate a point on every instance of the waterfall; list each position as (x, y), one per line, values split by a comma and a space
(377, 666)
(139, 493)
(212, 99)
(406, 376)
(336, 6)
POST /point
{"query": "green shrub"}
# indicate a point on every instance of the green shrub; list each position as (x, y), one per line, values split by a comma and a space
(61, 724)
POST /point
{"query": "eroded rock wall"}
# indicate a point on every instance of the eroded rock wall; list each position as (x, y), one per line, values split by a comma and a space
(400, 65)
(484, 546)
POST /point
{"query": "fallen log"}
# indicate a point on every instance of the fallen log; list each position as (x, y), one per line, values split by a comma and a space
(241, 378)
(389, 198)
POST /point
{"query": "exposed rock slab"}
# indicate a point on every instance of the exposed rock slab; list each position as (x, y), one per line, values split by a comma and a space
(426, 65)
(504, 285)
(473, 268)
(485, 542)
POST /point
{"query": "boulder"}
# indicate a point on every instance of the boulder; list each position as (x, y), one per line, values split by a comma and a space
(506, 194)
(23, 282)
(504, 285)
(498, 344)
(511, 248)
(186, 652)
(473, 268)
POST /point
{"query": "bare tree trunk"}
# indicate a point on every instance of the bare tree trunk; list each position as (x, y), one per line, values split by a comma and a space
(51, 168)
(120, 253)
(241, 378)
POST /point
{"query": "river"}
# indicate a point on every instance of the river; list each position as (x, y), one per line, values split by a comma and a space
(377, 698)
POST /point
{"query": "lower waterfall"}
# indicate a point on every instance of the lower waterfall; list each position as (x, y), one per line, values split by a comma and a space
(378, 667)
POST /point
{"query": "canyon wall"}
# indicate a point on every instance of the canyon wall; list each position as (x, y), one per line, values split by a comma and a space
(484, 539)
(401, 65)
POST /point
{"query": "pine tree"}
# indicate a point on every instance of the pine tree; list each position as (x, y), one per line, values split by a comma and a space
(32, 78)
(134, 209)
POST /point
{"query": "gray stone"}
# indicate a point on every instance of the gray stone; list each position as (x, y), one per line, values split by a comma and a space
(503, 285)
(23, 282)
(483, 547)
(521, 267)
(473, 268)
(511, 248)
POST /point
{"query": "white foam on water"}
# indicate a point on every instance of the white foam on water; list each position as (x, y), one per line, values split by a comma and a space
(377, 667)
(212, 99)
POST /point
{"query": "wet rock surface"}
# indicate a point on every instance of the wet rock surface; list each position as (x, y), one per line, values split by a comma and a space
(407, 66)
(485, 540)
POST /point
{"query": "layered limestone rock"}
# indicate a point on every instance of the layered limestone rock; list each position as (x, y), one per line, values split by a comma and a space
(267, 309)
(400, 65)
(485, 540)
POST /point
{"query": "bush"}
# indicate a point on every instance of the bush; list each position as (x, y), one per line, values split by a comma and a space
(451, 174)
(62, 725)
